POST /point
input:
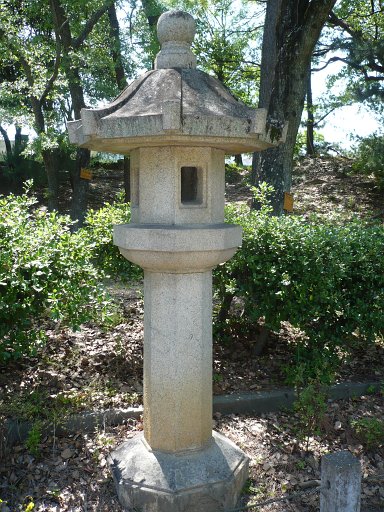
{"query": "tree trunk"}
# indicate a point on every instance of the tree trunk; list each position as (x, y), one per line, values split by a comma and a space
(7, 142)
(127, 178)
(79, 201)
(50, 158)
(116, 47)
(121, 83)
(51, 168)
(18, 142)
(72, 73)
(263, 162)
(291, 31)
(239, 159)
(80, 189)
(310, 140)
(269, 52)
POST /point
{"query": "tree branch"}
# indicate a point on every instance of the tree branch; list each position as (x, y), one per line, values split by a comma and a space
(330, 61)
(359, 67)
(338, 22)
(374, 78)
(55, 72)
(91, 22)
(324, 116)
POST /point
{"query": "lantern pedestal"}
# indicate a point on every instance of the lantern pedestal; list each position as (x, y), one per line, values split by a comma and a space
(177, 262)
(178, 465)
(208, 480)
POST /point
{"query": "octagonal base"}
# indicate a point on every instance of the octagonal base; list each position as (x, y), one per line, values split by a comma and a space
(208, 480)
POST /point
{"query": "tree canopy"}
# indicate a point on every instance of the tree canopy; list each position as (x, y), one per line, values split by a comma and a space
(358, 42)
(57, 56)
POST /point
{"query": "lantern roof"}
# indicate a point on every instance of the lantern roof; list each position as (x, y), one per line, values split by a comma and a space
(174, 104)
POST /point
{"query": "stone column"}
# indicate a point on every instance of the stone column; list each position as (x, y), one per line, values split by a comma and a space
(177, 361)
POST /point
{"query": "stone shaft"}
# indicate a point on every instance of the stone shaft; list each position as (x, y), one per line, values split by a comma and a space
(177, 360)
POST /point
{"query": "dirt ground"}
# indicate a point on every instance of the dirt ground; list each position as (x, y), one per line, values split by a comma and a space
(95, 369)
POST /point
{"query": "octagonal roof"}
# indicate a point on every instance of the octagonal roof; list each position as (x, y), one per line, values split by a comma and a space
(174, 104)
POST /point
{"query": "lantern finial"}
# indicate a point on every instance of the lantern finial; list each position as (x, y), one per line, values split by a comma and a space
(175, 31)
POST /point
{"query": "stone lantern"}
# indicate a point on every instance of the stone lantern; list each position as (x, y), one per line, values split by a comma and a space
(177, 124)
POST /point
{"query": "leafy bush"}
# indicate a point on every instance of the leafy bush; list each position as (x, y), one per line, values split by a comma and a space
(17, 170)
(99, 231)
(310, 406)
(233, 173)
(370, 430)
(45, 272)
(325, 278)
(369, 156)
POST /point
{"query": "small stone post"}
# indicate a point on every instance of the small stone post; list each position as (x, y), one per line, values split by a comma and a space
(340, 483)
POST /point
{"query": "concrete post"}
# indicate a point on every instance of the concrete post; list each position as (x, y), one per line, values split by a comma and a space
(340, 483)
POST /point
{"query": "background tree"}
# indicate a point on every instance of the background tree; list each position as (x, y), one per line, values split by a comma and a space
(226, 46)
(226, 43)
(291, 31)
(358, 42)
(33, 65)
(70, 44)
(54, 60)
(116, 47)
(354, 38)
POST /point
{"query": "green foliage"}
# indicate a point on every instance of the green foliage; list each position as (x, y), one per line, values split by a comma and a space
(98, 230)
(233, 173)
(370, 431)
(369, 156)
(45, 272)
(261, 196)
(321, 145)
(225, 43)
(310, 406)
(323, 277)
(33, 440)
(357, 41)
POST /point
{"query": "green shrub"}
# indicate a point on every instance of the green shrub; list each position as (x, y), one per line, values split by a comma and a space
(310, 406)
(98, 230)
(370, 431)
(17, 170)
(325, 278)
(233, 173)
(34, 438)
(45, 272)
(369, 155)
